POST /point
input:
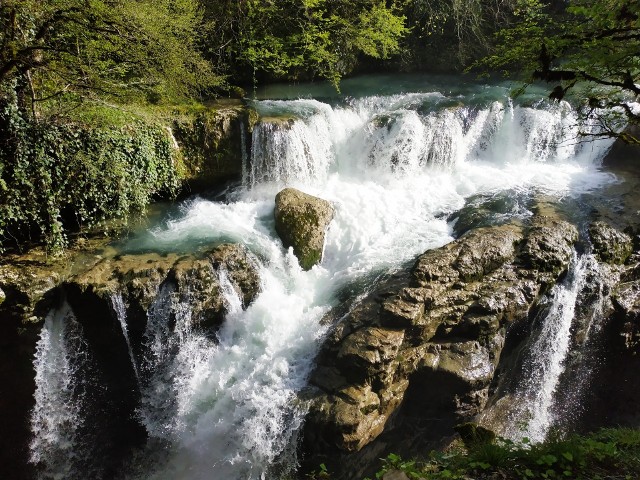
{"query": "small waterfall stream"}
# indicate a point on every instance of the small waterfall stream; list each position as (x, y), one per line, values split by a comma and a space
(542, 399)
(232, 300)
(120, 309)
(394, 167)
(57, 416)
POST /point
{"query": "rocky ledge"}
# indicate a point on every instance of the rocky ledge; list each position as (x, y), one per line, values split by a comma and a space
(193, 279)
(428, 345)
(106, 294)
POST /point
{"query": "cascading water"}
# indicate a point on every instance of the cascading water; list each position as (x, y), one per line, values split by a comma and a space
(61, 357)
(394, 167)
(232, 300)
(535, 408)
(120, 309)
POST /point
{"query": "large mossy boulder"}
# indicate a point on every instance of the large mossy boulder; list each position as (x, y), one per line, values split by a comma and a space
(301, 222)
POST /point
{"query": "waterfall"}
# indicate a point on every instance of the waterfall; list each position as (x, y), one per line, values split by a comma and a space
(403, 134)
(232, 300)
(392, 167)
(120, 309)
(535, 405)
(171, 350)
(224, 404)
(56, 418)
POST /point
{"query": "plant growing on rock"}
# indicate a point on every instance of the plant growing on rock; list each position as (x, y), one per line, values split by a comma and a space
(605, 454)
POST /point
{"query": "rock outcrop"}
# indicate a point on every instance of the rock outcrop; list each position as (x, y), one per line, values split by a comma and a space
(195, 279)
(626, 304)
(211, 144)
(610, 245)
(429, 345)
(90, 280)
(301, 223)
(29, 282)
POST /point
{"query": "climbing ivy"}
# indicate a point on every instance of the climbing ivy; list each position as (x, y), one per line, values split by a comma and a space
(57, 177)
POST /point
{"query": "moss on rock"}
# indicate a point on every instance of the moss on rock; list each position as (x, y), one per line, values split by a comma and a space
(301, 223)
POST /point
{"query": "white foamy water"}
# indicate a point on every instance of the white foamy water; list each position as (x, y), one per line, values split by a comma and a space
(120, 309)
(534, 413)
(57, 415)
(391, 171)
(394, 167)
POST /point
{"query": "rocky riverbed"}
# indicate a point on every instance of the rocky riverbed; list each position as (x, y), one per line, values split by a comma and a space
(429, 348)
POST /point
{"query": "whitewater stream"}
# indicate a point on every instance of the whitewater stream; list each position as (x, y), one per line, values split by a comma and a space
(396, 164)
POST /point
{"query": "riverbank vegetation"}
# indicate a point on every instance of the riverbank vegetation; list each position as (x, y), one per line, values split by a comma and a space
(612, 453)
(71, 73)
(590, 49)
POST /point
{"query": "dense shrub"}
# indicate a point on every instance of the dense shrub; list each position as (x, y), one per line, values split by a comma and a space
(612, 453)
(56, 177)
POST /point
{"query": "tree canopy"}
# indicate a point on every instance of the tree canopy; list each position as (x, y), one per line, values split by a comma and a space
(591, 48)
(115, 49)
(300, 39)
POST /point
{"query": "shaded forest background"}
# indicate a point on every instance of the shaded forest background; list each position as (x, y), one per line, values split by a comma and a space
(84, 84)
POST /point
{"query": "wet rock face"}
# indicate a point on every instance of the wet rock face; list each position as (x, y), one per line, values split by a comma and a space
(548, 246)
(609, 244)
(114, 300)
(211, 144)
(301, 223)
(626, 303)
(613, 394)
(428, 346)
(196, 279)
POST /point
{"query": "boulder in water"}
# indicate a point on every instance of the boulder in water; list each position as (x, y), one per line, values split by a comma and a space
(301, 223)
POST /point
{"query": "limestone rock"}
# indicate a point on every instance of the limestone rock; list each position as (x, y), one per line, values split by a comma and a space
(241, 269)
(476, 254)
(210, 143)
(301, 223)
(473, 434)
(549, 245)
(609, 244)
(431, 341)
(27, 281)
(195, 280)
(626, 301)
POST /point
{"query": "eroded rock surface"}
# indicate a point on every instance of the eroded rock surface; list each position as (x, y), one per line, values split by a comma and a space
(609, 244)
(301, 223)
(195, 279)
(431, 343)
(212, 142)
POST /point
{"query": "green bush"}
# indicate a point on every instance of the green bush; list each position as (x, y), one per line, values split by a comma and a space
(58, 177)
(611, 454)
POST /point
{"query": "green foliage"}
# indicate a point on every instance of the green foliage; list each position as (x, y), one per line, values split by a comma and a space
(62, 51)
(591, 48)
(300, 39)
(606, 454)
(449, 34)
(320, 474)
(59, 176)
